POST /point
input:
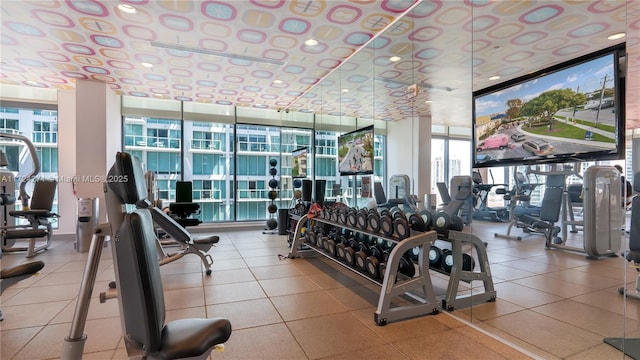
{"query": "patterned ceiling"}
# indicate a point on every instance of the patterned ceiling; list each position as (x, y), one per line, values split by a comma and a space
(253, 53)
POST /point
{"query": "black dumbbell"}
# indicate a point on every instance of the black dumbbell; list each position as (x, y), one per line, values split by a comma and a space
(457, 223)
(362, 218)
(373, 220)
(342, 216)
(427, 218)
(364, 250)
(435, 257)
(416, 222)
(406, 266)
(384, 211)
(396, 213)
(350, 252)
(468, 263)
(334, 215)
(386, 225)
(441, 222)
(401, 228)
(373, 261)
(310, 237)
(341, 245)
(415, 254)
(332, 244)
(352, 217)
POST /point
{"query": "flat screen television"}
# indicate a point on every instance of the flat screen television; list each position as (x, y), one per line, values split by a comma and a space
(299, 163)
(569, 112)
(355, 152)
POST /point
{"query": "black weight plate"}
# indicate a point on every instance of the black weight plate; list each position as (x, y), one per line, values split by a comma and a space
(406, 267)
(349, 256)
(441, 221)
(361, 260)
(373, 266)
(457, 223)
(416, 222)
(352, 218)
(427, 218)
(468, 262)
(415, 252)
(435, 257)
(311, 237)
(331, 247)
(343, 217)
(340, 251)
(384, 212)
(386, 225)
(401, 227)
(361, 219)
(447, 260)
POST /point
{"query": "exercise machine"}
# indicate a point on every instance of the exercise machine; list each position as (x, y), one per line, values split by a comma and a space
(458, 198)
(631, 346)
(602, 214)
(36, 210)
(141, 300)
(481, 209)
(399, 188)
(173, 233)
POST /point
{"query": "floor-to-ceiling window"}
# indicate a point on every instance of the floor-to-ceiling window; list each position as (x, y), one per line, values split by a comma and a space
(40, 127)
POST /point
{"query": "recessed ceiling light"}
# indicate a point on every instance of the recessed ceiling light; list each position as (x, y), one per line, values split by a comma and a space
(31, 83)
(157, 95)
(428, 102)
(146, 64)
(495, 77)
(345, 90)
(311, 42)
(395, 58)
(616, 36)
(277, 81)
(126, 8)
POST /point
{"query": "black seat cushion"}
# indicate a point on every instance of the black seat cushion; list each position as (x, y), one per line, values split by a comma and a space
(187, 338)
(27, 268)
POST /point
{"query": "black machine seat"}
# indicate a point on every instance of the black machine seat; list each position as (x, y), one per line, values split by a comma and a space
(177, 232)
(24, 233)
(184, 207)
(12, 274)
(140, 284)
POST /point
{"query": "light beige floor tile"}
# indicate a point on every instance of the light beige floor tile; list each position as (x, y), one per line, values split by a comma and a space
(183, 267)
(97, 310)
(246, 314)
(332, 280)
(379, 352)
(31, 315)
(590, 318)
(100, 355)
(248, 253)
(306, 305)
(355, 297)
(310, 266)
(583, 278)
(276, 271)
(44, 294)
(499, 347)
(508, 273)
(524, 296)
(599, 352)
(489, 310)
(181, 281)
(270, 260)
(450, 344)
(184, 298)
(229, 264)
(286, 286)
(11, 341)
(226, 254)
(228, 277)
(225, 293)
(186, 313)
(556, 337)
(327, 335)
(554, 286)
(269, 342)
(531, 266)
(417, 327)
(610, 300)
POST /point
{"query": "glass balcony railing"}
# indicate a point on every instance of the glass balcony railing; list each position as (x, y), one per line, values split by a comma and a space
(151, 142)
(44, 137)
(253, 194)
(207, 195)
(206, 144)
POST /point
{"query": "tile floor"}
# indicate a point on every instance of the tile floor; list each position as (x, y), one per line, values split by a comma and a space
(551, 304)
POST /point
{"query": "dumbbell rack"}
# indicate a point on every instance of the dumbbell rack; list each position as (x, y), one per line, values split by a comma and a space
(452, 300)
(394, 284)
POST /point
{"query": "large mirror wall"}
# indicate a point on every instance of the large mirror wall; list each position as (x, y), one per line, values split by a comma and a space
(551, 303)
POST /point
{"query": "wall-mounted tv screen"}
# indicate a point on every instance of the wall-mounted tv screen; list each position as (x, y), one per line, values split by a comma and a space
(355, 152)
(299, 163)
(572, 111)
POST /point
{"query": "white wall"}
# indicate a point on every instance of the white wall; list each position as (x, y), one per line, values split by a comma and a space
(66, 161)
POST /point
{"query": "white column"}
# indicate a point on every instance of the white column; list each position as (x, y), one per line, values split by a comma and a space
(66, 161)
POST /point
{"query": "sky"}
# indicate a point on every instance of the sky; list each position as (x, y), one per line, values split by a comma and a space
(586, 76)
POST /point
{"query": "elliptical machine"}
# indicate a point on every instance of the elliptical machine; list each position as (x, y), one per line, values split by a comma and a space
(481, 209)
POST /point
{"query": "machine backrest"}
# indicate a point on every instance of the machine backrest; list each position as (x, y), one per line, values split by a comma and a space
(634, 231)
(399, 187)
(552, 199)
(43, 193)
(444, 192)
(138, 269)
(378, 192)
(184, 191)
(139, 282)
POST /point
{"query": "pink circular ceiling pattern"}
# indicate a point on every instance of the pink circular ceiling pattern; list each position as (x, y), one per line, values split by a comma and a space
(230, 52)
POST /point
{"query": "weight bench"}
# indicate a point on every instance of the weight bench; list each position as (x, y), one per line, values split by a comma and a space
(631, 346)
(549, 211)
(140, 291)
(39, 216)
